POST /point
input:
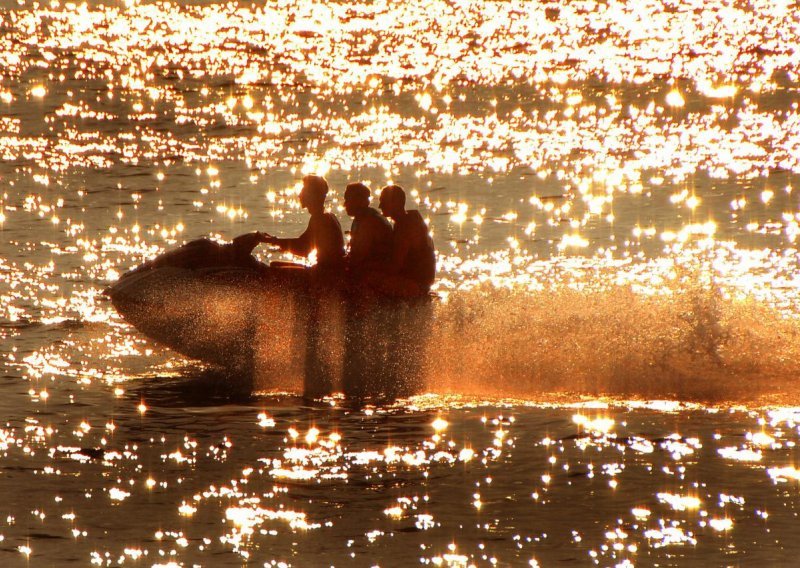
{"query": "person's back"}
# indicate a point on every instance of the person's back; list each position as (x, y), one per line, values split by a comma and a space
(370, 240)
(418, 262)
(325, 236)
(412, 268)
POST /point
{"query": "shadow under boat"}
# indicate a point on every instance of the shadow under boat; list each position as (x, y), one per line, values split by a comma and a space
(200, 386)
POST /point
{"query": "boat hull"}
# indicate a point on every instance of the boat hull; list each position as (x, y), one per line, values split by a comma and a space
(277, 328)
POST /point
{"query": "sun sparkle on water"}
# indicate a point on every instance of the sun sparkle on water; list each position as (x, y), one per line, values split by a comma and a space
(612, 189)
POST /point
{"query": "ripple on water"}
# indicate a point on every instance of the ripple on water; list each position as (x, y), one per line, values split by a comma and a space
(611, 189)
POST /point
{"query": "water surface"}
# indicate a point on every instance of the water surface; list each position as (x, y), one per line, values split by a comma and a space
(612, 189)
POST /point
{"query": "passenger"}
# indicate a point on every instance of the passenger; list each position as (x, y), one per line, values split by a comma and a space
(412, 267)
(324, 233)
(370, 250)
(370, 234)
(385, 347)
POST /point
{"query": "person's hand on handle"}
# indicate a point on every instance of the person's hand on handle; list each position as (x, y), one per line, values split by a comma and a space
(269, 239)
(249, 240)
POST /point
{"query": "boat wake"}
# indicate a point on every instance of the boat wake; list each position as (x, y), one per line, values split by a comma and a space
(690, 344)
(694, 344)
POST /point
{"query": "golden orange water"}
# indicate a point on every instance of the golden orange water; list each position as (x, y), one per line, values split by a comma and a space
(612, 190)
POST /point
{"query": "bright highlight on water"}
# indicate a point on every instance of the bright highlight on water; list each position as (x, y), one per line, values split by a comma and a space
(611, 370)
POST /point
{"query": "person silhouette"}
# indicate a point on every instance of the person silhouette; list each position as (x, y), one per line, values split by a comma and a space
(388, 318)
(370, 234)
(316, 290)
(323, 234)
(411, 269)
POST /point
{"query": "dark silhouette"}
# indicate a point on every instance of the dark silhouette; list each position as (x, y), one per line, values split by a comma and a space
(324, 233)
(411, 269)
(185, 297)
(321, 295)
(411, 273)
(370, 250)
(388, 312)
(370, 234)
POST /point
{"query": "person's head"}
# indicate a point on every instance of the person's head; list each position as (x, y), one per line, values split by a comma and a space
(393, 201)
(356, 198)
(314, 191)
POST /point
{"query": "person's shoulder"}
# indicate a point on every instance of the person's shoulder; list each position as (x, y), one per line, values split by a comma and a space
(323, 222)
(414, 217)
(329, 217)
(375, 216)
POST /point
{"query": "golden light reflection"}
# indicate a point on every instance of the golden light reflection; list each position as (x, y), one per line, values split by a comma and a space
(601, 425)
(612, 195)
(784, 474)
(680, 502)
(721, 525)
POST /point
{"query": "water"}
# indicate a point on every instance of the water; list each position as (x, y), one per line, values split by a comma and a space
(612, 190)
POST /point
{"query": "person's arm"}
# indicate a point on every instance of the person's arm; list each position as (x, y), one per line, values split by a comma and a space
(249, 241)
(301, 246)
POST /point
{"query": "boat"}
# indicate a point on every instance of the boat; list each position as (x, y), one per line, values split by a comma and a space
(273, 326)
